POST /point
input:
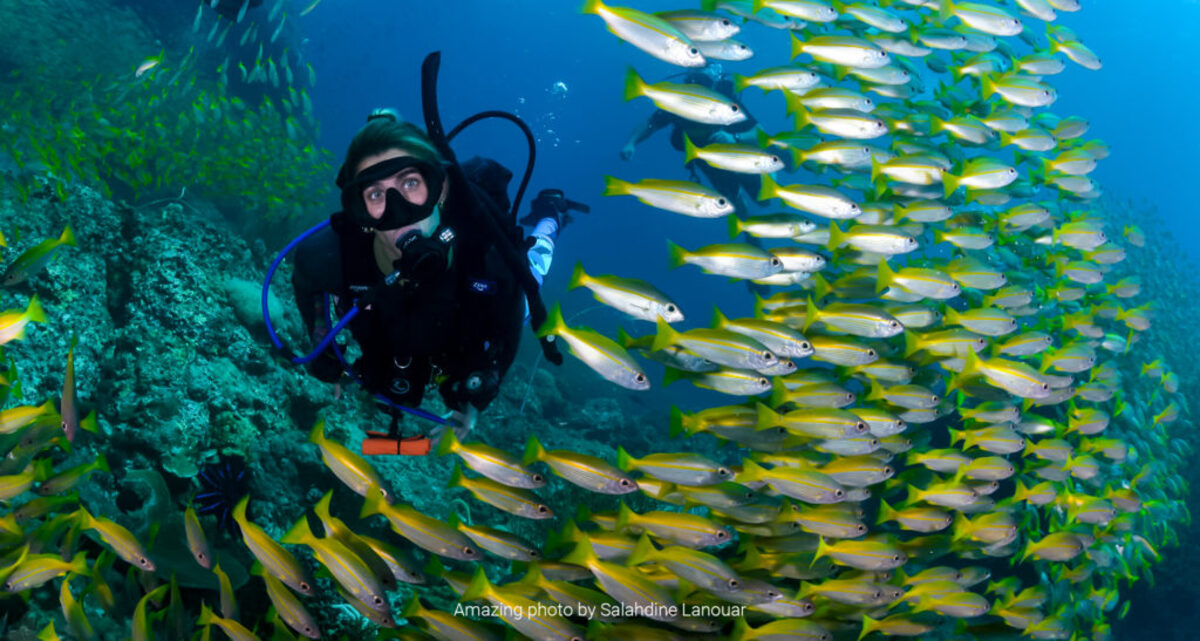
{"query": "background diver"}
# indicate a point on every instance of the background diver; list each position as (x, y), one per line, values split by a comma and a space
(440, 307)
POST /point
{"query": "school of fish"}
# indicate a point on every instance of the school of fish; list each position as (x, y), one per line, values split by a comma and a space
(942, 424)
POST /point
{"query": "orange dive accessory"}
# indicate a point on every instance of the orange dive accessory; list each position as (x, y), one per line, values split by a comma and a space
(381, 444)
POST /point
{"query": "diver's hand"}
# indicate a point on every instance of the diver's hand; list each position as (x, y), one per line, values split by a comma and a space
(627, 151)
(461, 422)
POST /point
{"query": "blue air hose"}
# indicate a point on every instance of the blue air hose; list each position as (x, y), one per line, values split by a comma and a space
(331, 335)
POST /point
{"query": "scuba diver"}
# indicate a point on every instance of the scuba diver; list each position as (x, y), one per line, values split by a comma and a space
(427, 267)
(727, 183)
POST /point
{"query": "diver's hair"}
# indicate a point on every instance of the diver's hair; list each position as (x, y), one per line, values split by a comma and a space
(383, 131)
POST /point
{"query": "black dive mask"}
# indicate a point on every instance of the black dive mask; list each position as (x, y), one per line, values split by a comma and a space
(399, 210)
(424, 257)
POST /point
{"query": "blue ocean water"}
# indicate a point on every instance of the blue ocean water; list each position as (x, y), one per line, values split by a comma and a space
(563, 73)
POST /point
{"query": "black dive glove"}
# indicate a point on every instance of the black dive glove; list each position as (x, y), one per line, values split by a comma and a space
(552, 203)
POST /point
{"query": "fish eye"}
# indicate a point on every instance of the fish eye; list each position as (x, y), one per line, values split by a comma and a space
(721, 202)
(538, 478)
(764, 381)
(871, 353)
(144, 562)
(640, 378)
(860, 528)
(768, 356)
(733, 108)
(308, 630)
(542, 509)
(305, 587)
(670, 308)
(878, 595)
(377, 600)
(887, 470)
(734, 584)
(722, 471)
(625, 483)
(693, 51)
(725, 22)
(895, 557)
(862, 427)
(469, 551)
(934, 398)
(722, 534)
(1045, 386)
(839, 493)
(805, 345)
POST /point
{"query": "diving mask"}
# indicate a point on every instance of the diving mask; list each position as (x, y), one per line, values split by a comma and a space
(420, 189)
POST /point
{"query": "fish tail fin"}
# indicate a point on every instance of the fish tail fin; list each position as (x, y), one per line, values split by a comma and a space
(988, 85)
(634, 85)
(769, 189)
(34, 312)
(767, 417)
(479, 586)
(740, 82)
(812, 314)
(676, 427)
(102, 463)
(912, 343)
(836, 236)
(67, 237)
(665, 337)
(884, 278)
(616, 187)
(207, 617)
(554, 322)
(321, 509)
(740, 628)
(373, 503)
(689, 150)
(579, 278)
(624, 460)
(239, 510)
(869, 625)
(676, 255)
(300, 532)
(582, 553)
(949, 183)
(89, 423)
(456, 477)
(797, 46)
(317, 435)
(534, 451)
(592, 6)
(735, 226)
(413, 607)
(641, 551)
(448, 443)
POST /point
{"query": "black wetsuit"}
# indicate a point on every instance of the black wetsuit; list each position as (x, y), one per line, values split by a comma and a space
(464, 323)
(725, 182)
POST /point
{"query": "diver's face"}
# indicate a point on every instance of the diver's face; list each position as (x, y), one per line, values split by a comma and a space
(408, 182)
